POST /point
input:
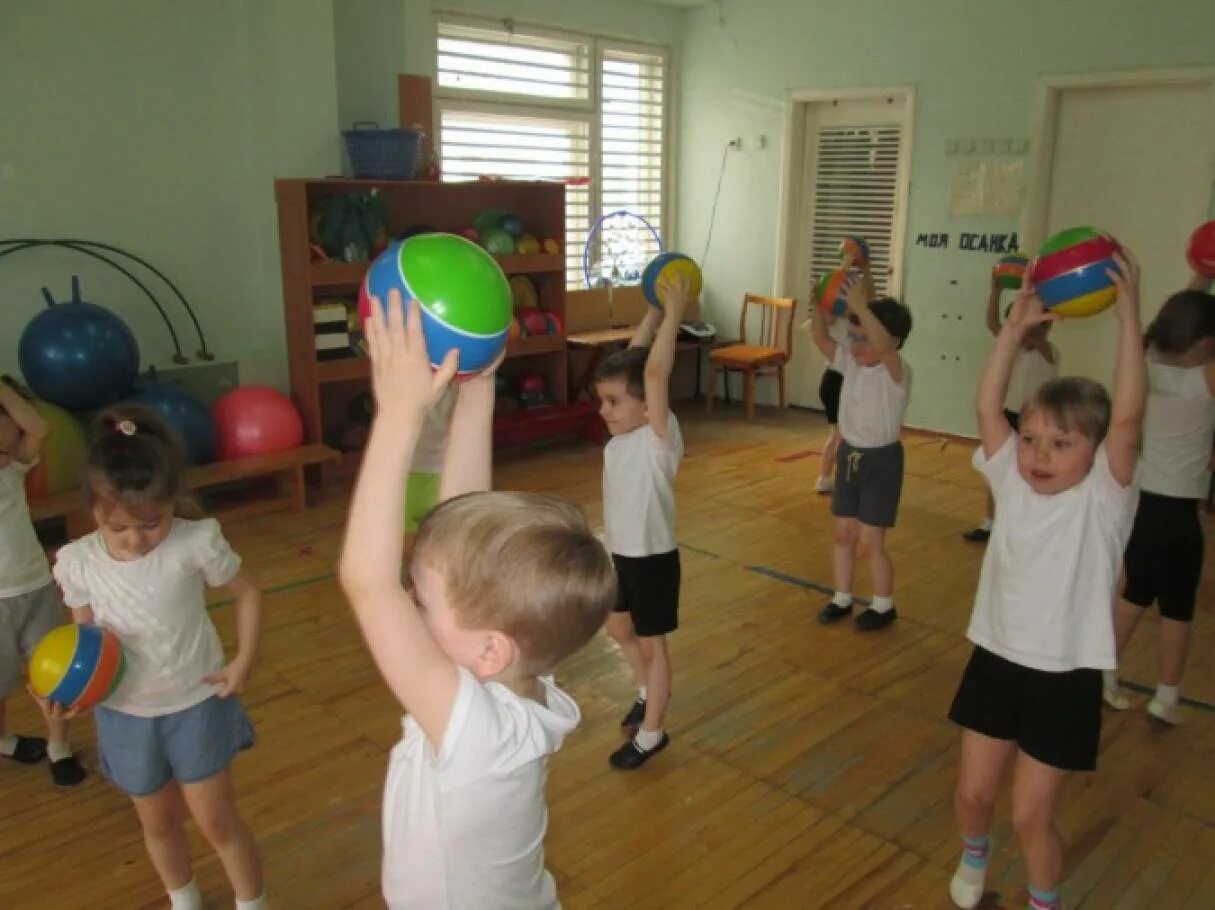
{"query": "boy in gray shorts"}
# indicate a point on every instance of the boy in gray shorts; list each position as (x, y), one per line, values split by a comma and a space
(869, 463)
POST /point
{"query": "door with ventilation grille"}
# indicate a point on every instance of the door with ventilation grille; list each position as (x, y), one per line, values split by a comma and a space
(853, 182)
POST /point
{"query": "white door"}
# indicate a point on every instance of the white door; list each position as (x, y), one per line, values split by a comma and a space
(1137, 162)
(850, 180)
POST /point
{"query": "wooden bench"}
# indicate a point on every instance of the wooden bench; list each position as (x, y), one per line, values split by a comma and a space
(283, 472)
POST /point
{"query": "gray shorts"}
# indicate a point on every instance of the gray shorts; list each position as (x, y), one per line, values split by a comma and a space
(24, 619)
(868, 484)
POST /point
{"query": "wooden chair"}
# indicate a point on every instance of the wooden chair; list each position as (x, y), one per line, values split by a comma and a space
(767, 357)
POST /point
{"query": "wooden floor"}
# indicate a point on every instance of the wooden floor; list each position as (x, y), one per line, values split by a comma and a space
(808, 767)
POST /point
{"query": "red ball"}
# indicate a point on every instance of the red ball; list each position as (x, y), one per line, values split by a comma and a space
(256, 420)
(1201, 250)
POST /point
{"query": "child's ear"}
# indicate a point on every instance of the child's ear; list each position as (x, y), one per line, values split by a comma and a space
(498, 653)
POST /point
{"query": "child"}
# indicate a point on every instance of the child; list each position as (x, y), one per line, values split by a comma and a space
(1164, 557)
(502, 587)
(1037, 362)
(169, 732)
(869, 469)
(639, 465)
(1042, 627)
(30, 605)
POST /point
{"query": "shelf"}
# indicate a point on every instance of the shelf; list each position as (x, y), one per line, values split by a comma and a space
(350, 274)
(343, 370)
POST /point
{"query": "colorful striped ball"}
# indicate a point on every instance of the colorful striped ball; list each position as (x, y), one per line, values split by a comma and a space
(832, 291)
(666, 266)
(1070, 272)
(77, 666)
(1200, 251)
(855, 247)
(464, 296)
(1009, 272)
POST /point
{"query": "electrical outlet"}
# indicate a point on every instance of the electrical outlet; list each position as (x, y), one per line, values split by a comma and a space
(735, 143)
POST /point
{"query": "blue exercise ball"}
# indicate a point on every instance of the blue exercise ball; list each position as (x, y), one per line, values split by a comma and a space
(78, 355)
(189, 417)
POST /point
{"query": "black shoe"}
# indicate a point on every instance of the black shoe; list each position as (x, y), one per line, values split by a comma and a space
(977, 535)
(833, 612)
(68, 773)
(872, 620)
(635, 716)
(630, 756)
(30, 750)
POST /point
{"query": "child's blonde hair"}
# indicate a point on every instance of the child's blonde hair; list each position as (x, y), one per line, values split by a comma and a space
(524, 564)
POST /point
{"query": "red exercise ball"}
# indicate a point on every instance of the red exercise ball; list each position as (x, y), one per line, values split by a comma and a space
(1201, 250)
(256, 420)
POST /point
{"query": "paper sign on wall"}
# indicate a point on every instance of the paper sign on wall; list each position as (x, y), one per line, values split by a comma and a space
(987, 188)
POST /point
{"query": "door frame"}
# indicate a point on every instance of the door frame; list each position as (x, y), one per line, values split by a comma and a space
(1046, 121)
(797, 103)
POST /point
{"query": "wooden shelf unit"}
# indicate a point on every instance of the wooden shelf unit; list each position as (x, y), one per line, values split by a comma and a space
(323, 389)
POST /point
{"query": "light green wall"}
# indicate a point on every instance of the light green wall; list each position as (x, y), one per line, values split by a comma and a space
(974, 66)
(159, 127)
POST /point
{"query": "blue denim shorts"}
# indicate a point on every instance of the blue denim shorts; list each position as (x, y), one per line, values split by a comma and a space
(142, 754)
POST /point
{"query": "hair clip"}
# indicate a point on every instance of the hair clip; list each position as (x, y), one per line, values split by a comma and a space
(125, 427)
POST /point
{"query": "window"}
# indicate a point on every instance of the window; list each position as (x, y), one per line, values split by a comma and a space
(537, 105)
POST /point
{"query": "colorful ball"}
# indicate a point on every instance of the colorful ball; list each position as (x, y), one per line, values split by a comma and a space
(256, 420)
(1200, 251)
(1009, 272)
(59, 463)
(1070, 272)
(464, 296)
(77, 666)
(189, 417)
(664, 267)
(855, 247)
(498, 241)
(832, 291)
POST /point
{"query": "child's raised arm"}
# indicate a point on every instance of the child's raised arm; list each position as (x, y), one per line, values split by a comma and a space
(992, 313)
(420, 675)
(993, 425)
(1130, 374)
(28, 421)
(468, 463)
(661, 360)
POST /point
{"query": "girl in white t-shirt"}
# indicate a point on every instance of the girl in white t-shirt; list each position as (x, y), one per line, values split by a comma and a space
(172, 727)
(1037, 362)
(1065, 488)
(1163, 560)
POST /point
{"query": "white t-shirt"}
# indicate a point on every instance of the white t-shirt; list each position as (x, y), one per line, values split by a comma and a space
(872, 404)
(156, 607)
(1178, 429)
(23, 565)
(1046, 592)
(1030, 370)
(464, 828)
(639, 490)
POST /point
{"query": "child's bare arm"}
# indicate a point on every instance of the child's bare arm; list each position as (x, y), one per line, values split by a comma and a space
(468, 463)
(643, 336)
(420, 675)
(1130, 374)
(28, 421)
(661, 360)
(247, 605)
(993, 426)
(819, 324)
(992, 313)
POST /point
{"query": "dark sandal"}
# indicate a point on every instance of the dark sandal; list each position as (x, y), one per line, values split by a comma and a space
(68, 773)
(30, 750)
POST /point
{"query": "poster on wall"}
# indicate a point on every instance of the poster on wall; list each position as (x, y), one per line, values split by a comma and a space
(987, 188)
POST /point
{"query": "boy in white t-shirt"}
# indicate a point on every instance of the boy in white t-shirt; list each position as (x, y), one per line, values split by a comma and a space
(1037, 362)
(869, 462)
(639, 466)
(502, 586)
(1042, 626)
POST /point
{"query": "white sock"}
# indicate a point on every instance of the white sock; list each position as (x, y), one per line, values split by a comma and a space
(882, 604)
(58, 749)
(647, 739)
(1168, 695)
(258, 903)
(641, 693)
(8, 744)
(986, 525)
(187, 897)
(1109, 679)
(842, 599)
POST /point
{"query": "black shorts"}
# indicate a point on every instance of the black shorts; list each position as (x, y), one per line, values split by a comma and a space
(1164, 556)
(1053, 717)
(1014, 420)
(649, 591)
(868, 484)
(829, 391)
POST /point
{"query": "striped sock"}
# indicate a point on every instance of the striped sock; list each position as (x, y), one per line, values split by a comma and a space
(1043, 900)
(968, 882)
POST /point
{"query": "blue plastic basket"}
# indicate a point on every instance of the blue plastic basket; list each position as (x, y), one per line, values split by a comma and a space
(377, 154)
